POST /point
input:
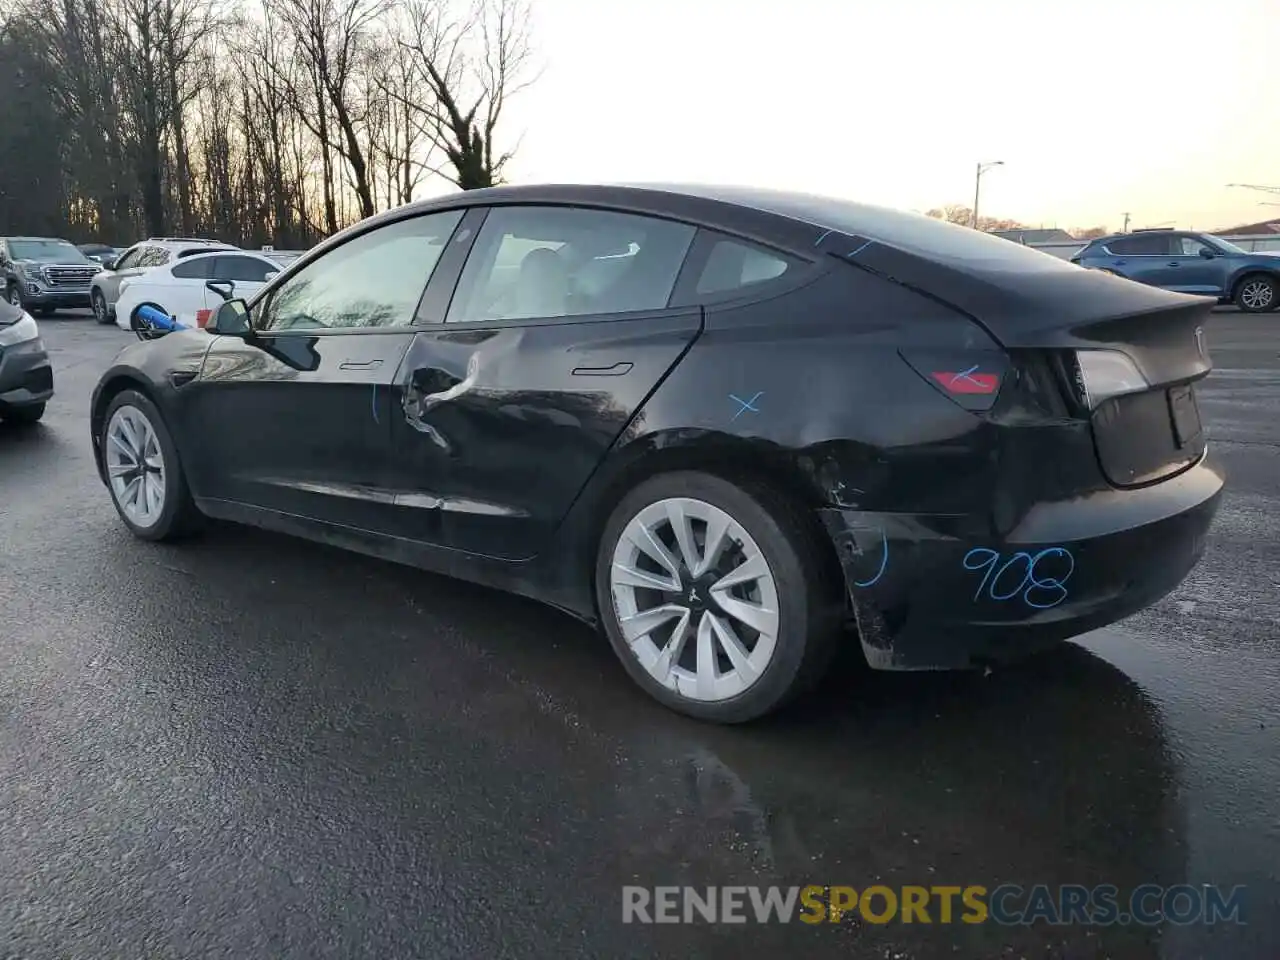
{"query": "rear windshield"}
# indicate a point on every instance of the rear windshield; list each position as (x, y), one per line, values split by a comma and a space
(910, 232)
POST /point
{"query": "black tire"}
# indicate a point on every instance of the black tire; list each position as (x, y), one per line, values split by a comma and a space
(29, 414)
(12, 294)
(1256, 293)
(809, 596)
(99, 304)
(179, 517)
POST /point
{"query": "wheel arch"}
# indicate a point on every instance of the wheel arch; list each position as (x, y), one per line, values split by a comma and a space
(111, 387)
(1253, 270)
(735, 459)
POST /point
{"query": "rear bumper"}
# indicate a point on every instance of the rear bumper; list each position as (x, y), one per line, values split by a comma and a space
(26, 376)
(927, 596)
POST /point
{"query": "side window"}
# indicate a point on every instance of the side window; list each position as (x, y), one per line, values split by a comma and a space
(1190, 247)
(563, 261)
(130, 258)
(1142, 245)
(197, 269)
(242, 269)
(374, 280)
(734, 265)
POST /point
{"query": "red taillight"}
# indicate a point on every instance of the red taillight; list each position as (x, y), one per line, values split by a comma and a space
(202, 317)
(968, 381)
(971, 378)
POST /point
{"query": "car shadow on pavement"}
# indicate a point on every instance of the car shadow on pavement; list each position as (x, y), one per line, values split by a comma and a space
(1053, 771)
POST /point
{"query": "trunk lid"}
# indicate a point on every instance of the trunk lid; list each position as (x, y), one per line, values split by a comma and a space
(1050, 314)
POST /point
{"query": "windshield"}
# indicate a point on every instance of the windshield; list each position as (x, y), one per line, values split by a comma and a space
(1228, 246)
(48, 251)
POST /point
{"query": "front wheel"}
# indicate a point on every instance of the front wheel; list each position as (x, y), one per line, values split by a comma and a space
(99, 303)
(143, 472)
(1256, 294)
(715, 596)
(12, 295)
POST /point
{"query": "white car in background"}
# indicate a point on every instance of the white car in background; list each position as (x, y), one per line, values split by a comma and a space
(179, 289)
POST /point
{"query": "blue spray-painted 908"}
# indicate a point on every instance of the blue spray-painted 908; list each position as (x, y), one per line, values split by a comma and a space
(1034, 587)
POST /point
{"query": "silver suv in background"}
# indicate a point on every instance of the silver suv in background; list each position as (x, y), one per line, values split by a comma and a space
(42, 274)
(138, 259)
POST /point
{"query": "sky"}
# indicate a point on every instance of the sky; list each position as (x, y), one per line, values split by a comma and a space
(1096, 107)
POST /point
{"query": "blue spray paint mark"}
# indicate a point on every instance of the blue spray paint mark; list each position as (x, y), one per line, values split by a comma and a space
(1038, 592)
(967, 375)
(375, 404)
(745, 405)
(818, 242)
(884, 562)
(861, 248)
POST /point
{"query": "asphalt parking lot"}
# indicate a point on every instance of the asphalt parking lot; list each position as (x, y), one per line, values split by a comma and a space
(254, 747)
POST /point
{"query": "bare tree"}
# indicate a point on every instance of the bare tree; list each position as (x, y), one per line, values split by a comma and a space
(471, 65)
(330, 38)
(962, 215)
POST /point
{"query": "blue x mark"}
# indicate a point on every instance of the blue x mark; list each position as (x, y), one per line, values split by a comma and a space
(745, 405)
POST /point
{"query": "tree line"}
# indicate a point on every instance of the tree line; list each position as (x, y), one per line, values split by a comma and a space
(255, 122)
(957, 213)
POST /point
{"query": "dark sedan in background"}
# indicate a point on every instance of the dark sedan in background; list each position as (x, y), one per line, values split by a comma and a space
(101, 253)
(724, 424)
(26, 377)
(1196, 263)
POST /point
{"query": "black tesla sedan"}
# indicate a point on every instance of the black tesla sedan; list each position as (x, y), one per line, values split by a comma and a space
(730, 426)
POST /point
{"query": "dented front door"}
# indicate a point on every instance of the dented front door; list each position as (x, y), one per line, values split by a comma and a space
(498, 428)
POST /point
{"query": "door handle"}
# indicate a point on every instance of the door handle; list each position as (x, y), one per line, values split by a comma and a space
(359, 364)
(621, 368)
(1174, 263)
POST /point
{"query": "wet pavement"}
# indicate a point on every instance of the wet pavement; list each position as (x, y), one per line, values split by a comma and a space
(250, 746)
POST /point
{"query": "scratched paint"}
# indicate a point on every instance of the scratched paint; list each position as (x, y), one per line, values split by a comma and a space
(374, 404)
(1031, 575)
(884, 562)
(745, 405)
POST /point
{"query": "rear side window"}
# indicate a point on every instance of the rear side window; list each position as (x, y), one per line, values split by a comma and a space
(1142, 245)
(242, 269)
(193, 269)
(734, 265)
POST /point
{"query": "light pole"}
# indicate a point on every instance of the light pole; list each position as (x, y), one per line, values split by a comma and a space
(977, 187)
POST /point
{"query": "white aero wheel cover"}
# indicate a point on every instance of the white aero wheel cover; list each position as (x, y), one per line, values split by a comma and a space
(696, 601)
(135, 465)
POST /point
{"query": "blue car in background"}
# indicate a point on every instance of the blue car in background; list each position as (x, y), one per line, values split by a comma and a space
(1188, 262)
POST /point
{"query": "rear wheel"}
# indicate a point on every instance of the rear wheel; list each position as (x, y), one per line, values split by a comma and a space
(1256, 294)
(143, 471)
(715, 596)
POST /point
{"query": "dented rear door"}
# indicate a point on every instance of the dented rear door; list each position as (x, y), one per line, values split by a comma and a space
(498, 427)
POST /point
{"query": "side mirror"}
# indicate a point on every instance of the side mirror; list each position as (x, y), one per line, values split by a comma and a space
(108, 263)
(226, 289)
(232, 319)
(1206, 253)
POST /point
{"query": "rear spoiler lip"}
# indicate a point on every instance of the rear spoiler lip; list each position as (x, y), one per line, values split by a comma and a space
(1018, 309)
(1061, 308)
